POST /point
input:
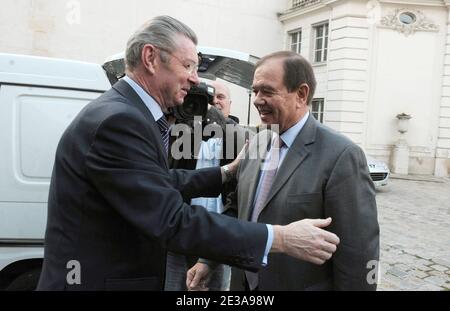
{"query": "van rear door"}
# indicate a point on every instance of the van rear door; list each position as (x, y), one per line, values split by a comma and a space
(32, 120)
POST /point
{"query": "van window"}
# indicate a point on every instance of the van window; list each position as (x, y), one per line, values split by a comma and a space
(42, 120)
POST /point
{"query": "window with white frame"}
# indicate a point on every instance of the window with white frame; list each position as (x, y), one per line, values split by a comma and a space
(296, 41)
(321, 43)
(317, 109)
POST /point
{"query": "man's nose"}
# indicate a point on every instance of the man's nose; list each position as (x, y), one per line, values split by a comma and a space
(258, 101)
(194, 79)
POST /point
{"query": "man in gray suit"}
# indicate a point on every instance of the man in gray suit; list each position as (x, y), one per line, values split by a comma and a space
(318, 173)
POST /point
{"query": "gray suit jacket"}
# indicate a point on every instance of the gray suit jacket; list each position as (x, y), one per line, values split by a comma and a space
(324, 174)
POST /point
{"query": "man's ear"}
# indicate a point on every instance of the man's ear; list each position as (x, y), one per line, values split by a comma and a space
(302, 94)
(149, 58)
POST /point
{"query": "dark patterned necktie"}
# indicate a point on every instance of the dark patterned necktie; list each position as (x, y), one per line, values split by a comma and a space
(164, 129)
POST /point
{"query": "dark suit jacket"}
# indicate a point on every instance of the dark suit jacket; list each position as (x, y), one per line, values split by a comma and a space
(115, 207)
(323, 175)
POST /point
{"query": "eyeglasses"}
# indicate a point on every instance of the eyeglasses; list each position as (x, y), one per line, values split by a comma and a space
(189, 65)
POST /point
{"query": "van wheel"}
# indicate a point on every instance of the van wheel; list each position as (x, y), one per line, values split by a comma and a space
(26, 281)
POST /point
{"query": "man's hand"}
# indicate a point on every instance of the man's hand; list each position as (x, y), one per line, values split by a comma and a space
(197, 277)
(233, 166)
(306, 240)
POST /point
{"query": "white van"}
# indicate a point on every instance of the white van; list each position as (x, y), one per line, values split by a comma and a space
(39, 97)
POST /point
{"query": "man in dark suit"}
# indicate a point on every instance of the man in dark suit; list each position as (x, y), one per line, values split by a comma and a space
(114, 206)
(318, 173)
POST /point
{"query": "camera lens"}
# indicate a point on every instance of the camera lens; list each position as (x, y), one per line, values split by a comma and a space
(195, 103)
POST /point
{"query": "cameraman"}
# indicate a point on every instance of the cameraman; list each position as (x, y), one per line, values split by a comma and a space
(212, 151)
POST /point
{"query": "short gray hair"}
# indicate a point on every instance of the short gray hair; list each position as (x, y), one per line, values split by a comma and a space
(159, 31)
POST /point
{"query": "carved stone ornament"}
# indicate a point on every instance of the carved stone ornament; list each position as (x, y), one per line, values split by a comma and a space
(408, 21)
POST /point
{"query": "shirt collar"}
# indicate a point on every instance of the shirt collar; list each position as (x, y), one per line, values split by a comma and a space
(149, 102)
(289, 136)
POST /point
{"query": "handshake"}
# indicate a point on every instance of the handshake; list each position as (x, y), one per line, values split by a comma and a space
(304, 239)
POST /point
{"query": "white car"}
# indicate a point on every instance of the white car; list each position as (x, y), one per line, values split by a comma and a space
(379, 171)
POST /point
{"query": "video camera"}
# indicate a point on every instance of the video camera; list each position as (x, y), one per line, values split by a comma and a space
(195, 104)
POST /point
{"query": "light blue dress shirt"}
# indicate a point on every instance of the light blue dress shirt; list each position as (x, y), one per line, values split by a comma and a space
(209, 156)
(149, 101)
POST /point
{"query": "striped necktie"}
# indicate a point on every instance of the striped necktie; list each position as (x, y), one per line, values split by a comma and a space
(268, 176)
(164, 129)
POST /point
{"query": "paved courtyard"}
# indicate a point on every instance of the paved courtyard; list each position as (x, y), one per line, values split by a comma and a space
(414, 219)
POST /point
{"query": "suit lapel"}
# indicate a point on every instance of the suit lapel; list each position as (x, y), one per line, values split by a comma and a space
(297, 153)
(249, 181)
(133, 98)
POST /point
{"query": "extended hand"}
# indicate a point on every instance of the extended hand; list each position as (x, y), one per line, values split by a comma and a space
(306, 240)
(235, 164)
(197, 277)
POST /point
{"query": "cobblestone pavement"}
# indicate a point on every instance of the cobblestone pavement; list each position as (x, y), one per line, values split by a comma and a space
(414, 219)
